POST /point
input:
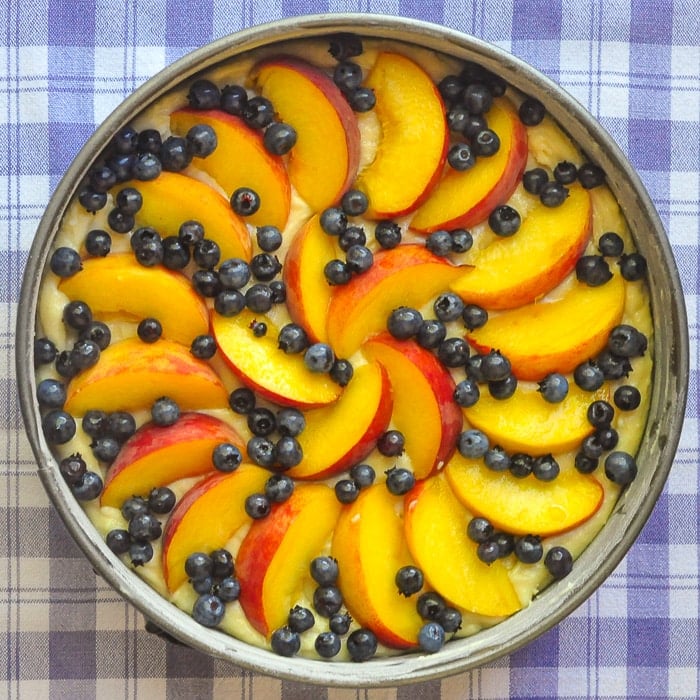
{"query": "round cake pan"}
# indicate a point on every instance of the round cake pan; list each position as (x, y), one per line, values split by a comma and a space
(668, 395)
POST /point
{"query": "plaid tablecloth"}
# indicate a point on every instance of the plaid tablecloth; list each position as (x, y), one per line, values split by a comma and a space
(65, 65)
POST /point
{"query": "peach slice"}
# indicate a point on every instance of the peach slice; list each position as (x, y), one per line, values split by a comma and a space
(409, 275)
(324, 161)
(524, 506)
(262, 366)
(419, 379)
(517, 270)
(158, 455)
(370, 546)
(555, 336)
(131, 375)
(273, 561)
(436, 531)
(344, 433)
(527, 423)
(308, 293)
(118, 284)
(173, 198)
(463, 199)
(206, 518)
(241, 160)
(413, 141)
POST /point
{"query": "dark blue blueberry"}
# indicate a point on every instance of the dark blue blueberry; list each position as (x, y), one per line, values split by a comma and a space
(431, 333)
(229, 302)
(118, 541)
(199, 565)
(448, 307)
(125, 140)
(590, 176)
(345, 45)
(474, 316)
(269, 238)
(466, 393)
(265, 267)
(347, 75)
(105, 449)
(261, 451)
(203, 585)
(203, 346)
(354, 203)
(228, 589)
(242, 400)
(565, 172)
(149, 330)
(453, 352)
(206, 253)
(588, 376)
(439, 243)
(528, 549)
(120, 425)
(363, 475)
(203, 94)
(472, 443)
(279, 487)
(353, 235)
(404, 322)
(337, 272)
(222, 563)
(626, 341)
(486, 143)
(44, 351)
(245, 201)
(65, 262)
(161, 500)
(409, 580)
(430, 604)
(327, 600)
(474, 125)
(391, 443)
(257, 506)
(460, 156)
(300, 619)
(258, 298)
(504, 220)
(176, 255)
(462, 240)
(58, 426)
(120, 221)
(611, 244)
(346, 490)
(361, 99)
(290, 421)
(98, 333)
(165, 411)
(488, 551)
(140, 553)
(359, 258)
(503, 388)
(554, 387)
(50, 393)
(285, 642)
(521, 465)
(208, 610)
(288, 452)
(340, 623)
(279, 138)
(226, 457)
(77, 315)
(545, 468)
(593, 270)
(400, 481)
(261, 421)
(559, 562)
(72, 468)
(98, 243)
(147, 167)
(387, 234)
(585, 464)
(89, 487)
(292, 339)
(600, 414)
(234, 273)
(633, 267)
(497, 459)
(319, 357)
(553, 194)
(620, 468)
(341, 372)
(258, 112)
(327, 644)
(324, 570)
(149, 141)
(477, 98)
(450, 619)
(145, 526)
(531, 111)
(333, 221)
(431, 637)
(64, 364)
(84, 354)
(234, 99)
(102, 178)
(495, 366)
(627, 397)
(91, 200)
(201, 140)
(361, 644)
(534, 180)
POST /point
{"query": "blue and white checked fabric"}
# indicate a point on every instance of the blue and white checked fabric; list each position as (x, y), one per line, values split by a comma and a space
(66, 64)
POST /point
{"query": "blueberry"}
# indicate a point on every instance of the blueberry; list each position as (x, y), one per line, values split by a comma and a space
(102, 178)
(502, 389)
(161, 500)
(242, 400)
(203, 585)
(565, 172)
(278, 488)
(448, 307)
(472, 443)
(353, 235)
(600, 414)
(258, 298)
(300, 619)
(531, 111)
(120, 221)
(627, 397)
(361, 644)
(450, 619)
(347, 75)
(98, 333)
(258, 112)
(479, 530)
(354, 203)
(430, 604)
(341, 372)
(261, 451)
(118, 541)
(553, 194)
(134, 506)
(199, 565)
(149, 141)
(534, 180)
(261, 421)
(327, 644)
(285, 642)
(460, 156)
(319, 357)
(145, 527)
(265, 267)
(234, 99)
(229, 302)
(259, 328)
(400, 481)
(431, 637)
(559, 562)
(474, 125)
(439, 243)
(363, 475)
(228, 589)
(387, 234)
(591, 447)
(165, 411)
(65, 262)
(486, 143)
(477, 98)
(77, 315)
(633, 267)
(345, 45)
(176, 255)
(521, 465)
(98, 243)
(409, 580)
(554, 387)
(626, 341)
(234, 273)
(620, 468)
(84, 354)
(64, 364)
(257, 506)
(288, 452)
(120, 425)
(245, 201)
(91, 200)
(226, 457)
(453, 352)
(279, 138)
(607, 437)
(337, 272)
(588, 376)
(505, 542)
(346, 490)
(58, 426)
(528, 549)
(361, 99)
(140, 552)
(340, 623)
(462, 240)
(585, 464)
(44, 351)
(545, 468)
(175, 154)
(359, 258)
(203, 94)
(327, 600)
(206, 253)
(334, 221)
(203, 347)
(147, 166)
(431, 333)
(611, 244)
(149, 330)
(590, 176)
(497, 459)
(89, 487)
(488, 551)
(125, 140)
(222, 563)
(72, 468)
(593, 270)
(269, 238)
(324, 570)
(201, 140)
(208, 610)
(474, 316)
(50, 393)
(148, 251)
(290, 421)
(451, 88)
(504, 220)
(391, 443)
(404, 322)
(466, 393)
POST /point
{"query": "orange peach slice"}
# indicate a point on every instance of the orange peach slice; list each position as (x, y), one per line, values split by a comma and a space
(130, 375)
(118, 284)
(158, 455)
(409, 275)
(241, 160)
(555, 336)
(419, 379)
(527, 423)
(173, 198)
(324, 161)
(463, 199)
(517, 270)
(206, 518)
(262, 366)
(436, 531)
(524, 506)
(370, 546)
(308, 292)
(344, 433)
(413, 141)
(274, 558)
